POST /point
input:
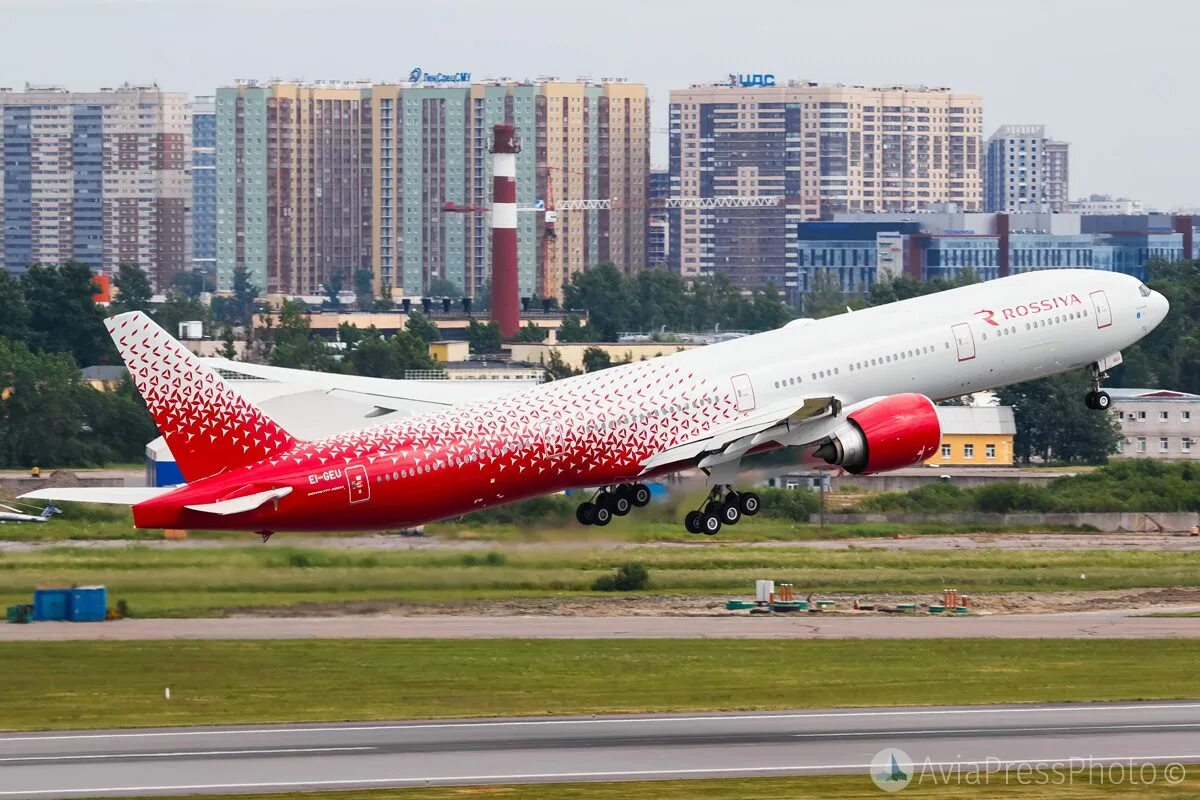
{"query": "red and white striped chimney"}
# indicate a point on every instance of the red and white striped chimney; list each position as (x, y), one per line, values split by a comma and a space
(504, 301)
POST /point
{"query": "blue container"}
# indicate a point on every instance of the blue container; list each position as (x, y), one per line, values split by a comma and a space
(51, 604)
(89, 604)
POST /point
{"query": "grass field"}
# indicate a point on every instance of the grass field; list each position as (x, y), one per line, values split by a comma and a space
(118, 684)
(854, 787)
(84, 523)
(212, 581)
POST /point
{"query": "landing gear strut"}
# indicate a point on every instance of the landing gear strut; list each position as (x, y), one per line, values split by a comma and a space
(724, 506)
(266, 535)
(1096, 399)
(612, 501)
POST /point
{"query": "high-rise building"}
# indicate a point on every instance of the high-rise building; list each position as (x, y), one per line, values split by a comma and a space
(658, 223)
(96, 177)
(204, 185)
(293, 185)
(800, 150)
(1025, 171)
(581, 142)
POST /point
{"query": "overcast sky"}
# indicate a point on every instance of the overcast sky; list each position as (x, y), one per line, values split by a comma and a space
(1115, 79)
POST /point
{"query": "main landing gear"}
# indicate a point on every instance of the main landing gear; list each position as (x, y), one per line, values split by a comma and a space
(1096, 399)
(723, 506)
(612, 501)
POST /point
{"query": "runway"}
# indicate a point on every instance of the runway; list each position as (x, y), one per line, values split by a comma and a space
(1118, 624)
(473, 752)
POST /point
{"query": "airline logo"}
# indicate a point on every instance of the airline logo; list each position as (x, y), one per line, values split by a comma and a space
(1025, 309)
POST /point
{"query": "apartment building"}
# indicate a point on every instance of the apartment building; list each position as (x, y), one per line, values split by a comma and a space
(582, 143)
(293, 185)
(1026, 171)
(799, 150)
(204, 185)
(97, 177)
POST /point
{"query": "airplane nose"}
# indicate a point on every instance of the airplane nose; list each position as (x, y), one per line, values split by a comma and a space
(1159, 307)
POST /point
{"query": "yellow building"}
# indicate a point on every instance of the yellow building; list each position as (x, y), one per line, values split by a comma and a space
(444, 352)
(978, 436)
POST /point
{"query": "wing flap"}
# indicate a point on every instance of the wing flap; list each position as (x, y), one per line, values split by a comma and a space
(747, 428)
(240, 505)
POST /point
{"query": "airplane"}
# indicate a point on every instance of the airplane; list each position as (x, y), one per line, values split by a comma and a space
(855, 391)
(10, 514)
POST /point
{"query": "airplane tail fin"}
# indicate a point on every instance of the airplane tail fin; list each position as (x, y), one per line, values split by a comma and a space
(207, 425)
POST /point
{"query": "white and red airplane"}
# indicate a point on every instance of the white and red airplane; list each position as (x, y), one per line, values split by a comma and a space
(852, 390)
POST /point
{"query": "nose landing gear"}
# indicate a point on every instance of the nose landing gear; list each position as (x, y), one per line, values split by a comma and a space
(724, 506)
(1097, 399)
(612, 501)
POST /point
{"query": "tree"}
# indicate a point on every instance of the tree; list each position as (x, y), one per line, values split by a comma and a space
(377, 357)
(193, 282)
(572, 329)
(42, 418)
(661, 298)
(1053, 423)
(14, 312)
(294, 345)
(63, 317)
(228, 350)
(441, 287)
(333, 288)
(133, 289)
(364, 289)
(181, 308)
(483, 338)
(766, 310)
(556, 368)
(531, 333)
(824, 297)
(420, 326)
(604, 292)
(348, 334)
(596, 359)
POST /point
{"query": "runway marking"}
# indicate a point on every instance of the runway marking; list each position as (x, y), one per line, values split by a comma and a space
(1046, 729)
(580, 775)
(603, 721)
(265, 751)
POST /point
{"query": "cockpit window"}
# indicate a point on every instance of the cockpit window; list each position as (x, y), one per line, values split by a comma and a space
(1144, 290)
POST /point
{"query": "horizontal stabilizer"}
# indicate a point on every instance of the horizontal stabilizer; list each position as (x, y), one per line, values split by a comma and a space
(240, 505)
(117, 495)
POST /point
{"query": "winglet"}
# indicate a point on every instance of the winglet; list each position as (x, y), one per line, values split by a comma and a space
(207, 425)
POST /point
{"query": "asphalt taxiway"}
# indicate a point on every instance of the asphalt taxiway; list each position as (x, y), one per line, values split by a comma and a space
(497, 751)
(1113, 623)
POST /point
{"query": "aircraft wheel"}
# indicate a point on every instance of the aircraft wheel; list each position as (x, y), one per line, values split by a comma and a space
(730, 514)
(713, 507)
(586, 514)
(1101, 401)
(603, 516)
(620, 505)
(1089, 400)
(640, 496)
(710, 524)
(692, 521)
(749, 503)
(623, 490)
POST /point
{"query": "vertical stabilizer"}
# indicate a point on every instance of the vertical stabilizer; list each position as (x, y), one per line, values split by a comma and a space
(207, 425)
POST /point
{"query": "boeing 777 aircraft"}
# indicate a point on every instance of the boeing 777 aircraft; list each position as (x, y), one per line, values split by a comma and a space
(855, 390)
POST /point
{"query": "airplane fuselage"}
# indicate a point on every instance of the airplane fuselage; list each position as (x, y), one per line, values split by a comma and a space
(600, 428)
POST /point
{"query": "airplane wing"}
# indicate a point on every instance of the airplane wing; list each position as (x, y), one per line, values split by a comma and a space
(774, 423)
(239, 505)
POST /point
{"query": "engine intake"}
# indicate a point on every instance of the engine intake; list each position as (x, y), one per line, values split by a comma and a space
(896, 432)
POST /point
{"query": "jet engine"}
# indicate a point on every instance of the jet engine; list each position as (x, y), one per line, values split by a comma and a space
(898, 431)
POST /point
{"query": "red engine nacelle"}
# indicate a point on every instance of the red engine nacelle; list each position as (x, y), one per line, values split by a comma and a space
(896, 432)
